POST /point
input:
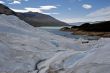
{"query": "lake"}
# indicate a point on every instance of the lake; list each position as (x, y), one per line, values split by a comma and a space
(56, 30)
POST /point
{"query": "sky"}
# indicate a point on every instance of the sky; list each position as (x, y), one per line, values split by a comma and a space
(69, 11)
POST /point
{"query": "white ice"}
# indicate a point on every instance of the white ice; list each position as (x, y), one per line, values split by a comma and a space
(25, 49)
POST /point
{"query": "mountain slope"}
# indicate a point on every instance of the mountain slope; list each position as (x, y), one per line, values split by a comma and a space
(34, 19)
(38, 19)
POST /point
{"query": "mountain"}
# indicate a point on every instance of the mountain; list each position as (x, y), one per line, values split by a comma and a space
(80, 23)
(38, 19)
(33, 18)
(76, 24)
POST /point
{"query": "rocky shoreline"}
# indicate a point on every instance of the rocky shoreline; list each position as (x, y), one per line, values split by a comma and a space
(88, 33)
(97, 29)
(100, 34)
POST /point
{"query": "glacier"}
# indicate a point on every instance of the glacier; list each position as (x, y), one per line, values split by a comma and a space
(26, 49)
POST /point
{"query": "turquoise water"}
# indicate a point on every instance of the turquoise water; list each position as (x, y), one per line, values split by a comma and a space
(56, 30)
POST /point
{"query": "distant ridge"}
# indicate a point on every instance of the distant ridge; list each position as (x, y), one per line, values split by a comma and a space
(38, 19)
(33, 18)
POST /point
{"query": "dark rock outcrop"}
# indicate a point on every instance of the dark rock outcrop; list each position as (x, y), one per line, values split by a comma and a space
(5, 10)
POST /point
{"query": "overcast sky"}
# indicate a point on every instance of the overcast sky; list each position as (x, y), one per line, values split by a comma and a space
(66, 10)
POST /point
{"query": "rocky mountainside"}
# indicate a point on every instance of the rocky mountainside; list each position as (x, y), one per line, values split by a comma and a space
(5, 10)
(38, 19)
(33, 18)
